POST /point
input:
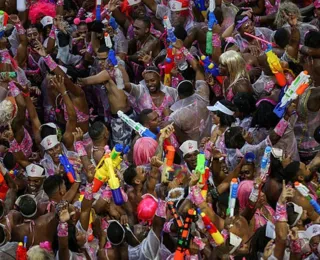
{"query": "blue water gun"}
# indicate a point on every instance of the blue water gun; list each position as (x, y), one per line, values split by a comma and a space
(113, 23)
(98, 10)
(170, 31)
(112, 58)
(209, 67)
(68, 167)
(200, 4)
(212, 20)
(232, 197)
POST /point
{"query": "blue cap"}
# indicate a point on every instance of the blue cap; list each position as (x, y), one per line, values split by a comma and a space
(249, 157)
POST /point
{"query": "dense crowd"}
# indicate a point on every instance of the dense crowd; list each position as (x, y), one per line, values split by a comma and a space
(159, 129)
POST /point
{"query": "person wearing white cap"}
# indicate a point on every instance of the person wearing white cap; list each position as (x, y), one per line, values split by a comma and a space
(36, 175)
(313, 234)
(190, 151)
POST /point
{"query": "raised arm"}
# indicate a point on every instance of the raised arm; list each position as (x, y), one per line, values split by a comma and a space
(151, 4)
(99, 78)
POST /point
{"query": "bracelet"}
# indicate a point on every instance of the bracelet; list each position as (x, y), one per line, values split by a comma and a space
(281, 127)
(20, 28)
(52, 33)
(50, 62)
(88, 195)
(90, 49)
(62, 229)
(281, 213)
(195, 195)
(216, 41)
(79, 148)
(65, 93)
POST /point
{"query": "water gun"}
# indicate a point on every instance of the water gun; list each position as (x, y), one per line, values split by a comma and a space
(68, 167)
(211, 228)
(304, 191)
(200, 4)
(114, 183)
(113, 23)
(297, 87)
(112, 58)
(107, 40)
(168, 66)
(142, 131)
(168, 164)
(90, 231)
(170, 30)
(102, 171)
(184, 236)
(174, 213)
(232, 196)
(265, 164)
(98, 10)
(275, 66)
(212, 20)
(3, 22)
(201, 167)
(211, 68)
(21, 253)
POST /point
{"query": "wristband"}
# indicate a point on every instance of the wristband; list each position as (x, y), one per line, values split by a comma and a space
(20, 28)
(13, 89)
(90, 49)
(52, 33)
(167, 226)
(195, 195)
(60, 2)
(161, 210)
(25, 94)
(50, 62)
(281, 127)
(281, 213)
(199, 243)
(187, 54)
(62, 229)
(295, 246)
(216, 41)
(88, 191)
(79, 148)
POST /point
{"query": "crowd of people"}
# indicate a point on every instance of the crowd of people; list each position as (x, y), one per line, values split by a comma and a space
(159, 129)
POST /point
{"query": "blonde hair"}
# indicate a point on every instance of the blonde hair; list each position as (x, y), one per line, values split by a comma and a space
(7, 112)
(288, 8)
(38, 253)
(236, 65)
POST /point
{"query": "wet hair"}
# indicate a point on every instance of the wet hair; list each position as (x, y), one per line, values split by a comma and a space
(258, 243)
(291, 171)
(27, 205)
(143, 117)
(264, 117)
(115, 233)
(244, 102)
(233, 138)
(47, 130)
(292, 216)
(286, 7)
(282, 37)
(129, 174)
(185, 88)
(103, 48)
(52, 184)
(226, 120)
(180, 32)
(96, 130)
(146, 20)
(312, 39)
(9, 161)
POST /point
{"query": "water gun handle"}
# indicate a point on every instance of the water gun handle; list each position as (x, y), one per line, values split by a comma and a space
(112, 58)
(98, 10)
(68, 168)
(148, 133)
(114, 184)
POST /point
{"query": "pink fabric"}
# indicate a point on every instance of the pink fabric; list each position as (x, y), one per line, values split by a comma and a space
(81, 117)
(281, 212)
(143, 150)
(270, 9)
(40, 9)
(244, 191)
(25, 146)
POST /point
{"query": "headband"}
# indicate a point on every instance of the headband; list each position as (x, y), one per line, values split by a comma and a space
(241, 22)
(18, 202)
(77, 21)
(49, 142)
(220, 107)
(183, 81)
(34, 170)
(296, 209)
(150, 70)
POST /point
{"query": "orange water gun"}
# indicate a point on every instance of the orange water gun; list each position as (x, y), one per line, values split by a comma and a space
(276, 68)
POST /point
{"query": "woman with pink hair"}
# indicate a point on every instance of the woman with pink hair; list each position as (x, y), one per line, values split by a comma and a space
(143, 150)
(264, 212)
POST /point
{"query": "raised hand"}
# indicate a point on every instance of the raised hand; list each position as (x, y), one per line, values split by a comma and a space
(58, 83)
(38, 47)
(14, 18)
(286, 193)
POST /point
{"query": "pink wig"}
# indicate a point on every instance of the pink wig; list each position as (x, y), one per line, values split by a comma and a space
(41, 9)
(244, 190)
(143, 150)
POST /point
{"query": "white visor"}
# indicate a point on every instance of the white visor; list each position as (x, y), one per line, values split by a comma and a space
(49, 142)
(220, 107)
(176, 6)
(133, 2)
(34, 170)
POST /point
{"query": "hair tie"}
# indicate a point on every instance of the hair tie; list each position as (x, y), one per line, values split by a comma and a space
(77, 20)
